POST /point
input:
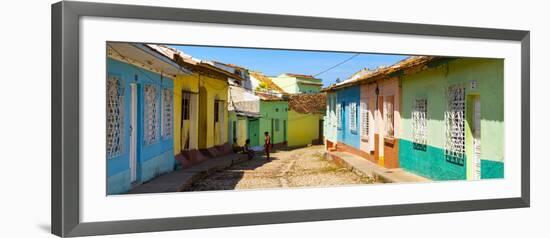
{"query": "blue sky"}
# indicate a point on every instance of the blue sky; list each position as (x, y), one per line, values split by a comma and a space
(275, 62)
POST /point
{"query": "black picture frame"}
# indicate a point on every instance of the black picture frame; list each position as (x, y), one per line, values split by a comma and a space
(65, 117)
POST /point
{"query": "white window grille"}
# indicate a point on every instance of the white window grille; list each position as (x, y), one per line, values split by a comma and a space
(454, 120)
(389, 116)
(339, 115)
(353, 117)
(167, 113)
(151, 114)
(419, 124)
(115, 117)
(365, 119)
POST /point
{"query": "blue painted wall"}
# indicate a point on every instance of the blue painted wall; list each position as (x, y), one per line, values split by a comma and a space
(152, 159)
(344, 97)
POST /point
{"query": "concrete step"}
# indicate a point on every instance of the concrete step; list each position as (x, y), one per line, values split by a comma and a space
(179, 180)
(365, 167)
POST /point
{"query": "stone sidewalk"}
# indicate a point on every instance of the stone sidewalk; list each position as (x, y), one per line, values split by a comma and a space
(367, 168)
(179, 180)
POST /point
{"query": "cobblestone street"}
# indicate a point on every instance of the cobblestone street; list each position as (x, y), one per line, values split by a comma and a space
(303, 167)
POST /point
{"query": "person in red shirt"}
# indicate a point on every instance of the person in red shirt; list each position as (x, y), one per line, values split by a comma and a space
(267, 144)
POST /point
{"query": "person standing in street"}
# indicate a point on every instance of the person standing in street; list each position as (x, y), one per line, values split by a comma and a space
(267, 144)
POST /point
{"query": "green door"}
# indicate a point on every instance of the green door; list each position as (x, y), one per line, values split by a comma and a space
(253, 132)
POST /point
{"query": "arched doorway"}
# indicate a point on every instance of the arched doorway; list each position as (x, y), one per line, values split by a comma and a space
(203, 112)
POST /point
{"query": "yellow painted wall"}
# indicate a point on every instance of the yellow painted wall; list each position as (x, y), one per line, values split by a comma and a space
(214, 89)
(302, 128)
(188, 83)
(242, 130)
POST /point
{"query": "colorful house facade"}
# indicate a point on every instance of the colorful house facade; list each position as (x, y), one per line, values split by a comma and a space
(298, 83)
(305, 119)
(273, 112)
(200, 109)
(441, 118)
(330, 133)
(243, 105)
(455, 129)
(140, 110)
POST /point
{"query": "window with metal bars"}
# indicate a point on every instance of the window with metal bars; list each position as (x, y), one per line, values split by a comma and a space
(150, 114)
(365, 119)
(167, 108)
(454, 129)
(389, 116)
(353, 117)
(216, 111)
(185, 105)
(339, 115)
(419, 124)
(115, 116)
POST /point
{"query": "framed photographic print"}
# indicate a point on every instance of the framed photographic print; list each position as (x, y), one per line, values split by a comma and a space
(169, 119)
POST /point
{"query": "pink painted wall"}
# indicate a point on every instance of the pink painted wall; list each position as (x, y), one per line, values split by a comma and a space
(387, 87)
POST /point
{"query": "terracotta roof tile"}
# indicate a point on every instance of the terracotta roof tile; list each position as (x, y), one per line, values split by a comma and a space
(308, 103)
(403, 65)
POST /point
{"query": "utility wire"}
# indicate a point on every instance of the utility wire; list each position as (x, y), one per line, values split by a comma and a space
(346, 60)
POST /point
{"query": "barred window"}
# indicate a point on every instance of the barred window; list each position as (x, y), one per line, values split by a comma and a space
(454, 121)
(339, 115)
(365, 119)
(217, 110)
(389, 116)
(151, 114)
(167, 112)
(185, 105)
(353, 117)
(115, 116)
(419, 124)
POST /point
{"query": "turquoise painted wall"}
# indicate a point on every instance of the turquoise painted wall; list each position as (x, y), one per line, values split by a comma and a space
(344, 134)
(431, 84)
(152, 159)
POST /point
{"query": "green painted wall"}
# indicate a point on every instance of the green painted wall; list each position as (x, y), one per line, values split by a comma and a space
(254, 132)
(308, 88)
(432, 85)
(271, 110)
(297, 85)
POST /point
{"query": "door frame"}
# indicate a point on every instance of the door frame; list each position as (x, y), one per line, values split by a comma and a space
(475, 162)
(133, 133)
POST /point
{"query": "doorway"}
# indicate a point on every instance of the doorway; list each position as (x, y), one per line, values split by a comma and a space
(320, 130)
(133, 133)
(476, 142)
(203, 112)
